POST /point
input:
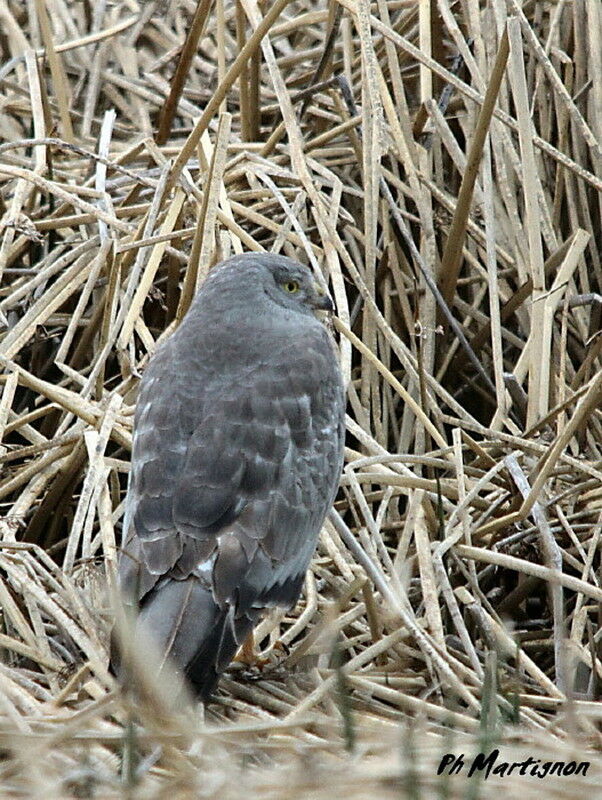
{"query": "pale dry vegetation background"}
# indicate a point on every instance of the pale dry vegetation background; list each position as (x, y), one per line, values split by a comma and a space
(439, 163)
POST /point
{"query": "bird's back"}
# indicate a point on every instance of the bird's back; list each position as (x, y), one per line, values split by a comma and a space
(236, 458)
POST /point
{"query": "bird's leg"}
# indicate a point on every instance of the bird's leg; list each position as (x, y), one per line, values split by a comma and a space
(247, 654)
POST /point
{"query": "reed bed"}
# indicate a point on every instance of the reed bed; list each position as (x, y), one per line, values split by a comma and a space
(440, 165)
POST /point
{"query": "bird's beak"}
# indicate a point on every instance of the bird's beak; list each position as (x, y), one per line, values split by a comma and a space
(322, 301)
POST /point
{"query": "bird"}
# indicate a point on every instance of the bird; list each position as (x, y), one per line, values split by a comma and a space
(238, 444)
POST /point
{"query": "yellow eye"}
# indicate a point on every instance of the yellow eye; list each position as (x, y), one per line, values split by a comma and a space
(291, 287)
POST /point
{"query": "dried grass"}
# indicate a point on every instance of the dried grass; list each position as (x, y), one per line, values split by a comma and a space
(439, 166)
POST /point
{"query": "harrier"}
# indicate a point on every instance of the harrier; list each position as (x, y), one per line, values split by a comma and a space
(237, 455)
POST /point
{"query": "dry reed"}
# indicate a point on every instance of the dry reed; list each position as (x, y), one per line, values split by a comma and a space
(439, 165)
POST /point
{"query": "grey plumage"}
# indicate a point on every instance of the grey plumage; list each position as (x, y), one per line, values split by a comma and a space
(237, 454)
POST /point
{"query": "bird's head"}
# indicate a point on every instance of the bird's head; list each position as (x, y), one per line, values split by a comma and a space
(285, 282)
(293, 286)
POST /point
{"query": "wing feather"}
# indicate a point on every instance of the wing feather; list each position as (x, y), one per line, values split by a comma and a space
(233, 474)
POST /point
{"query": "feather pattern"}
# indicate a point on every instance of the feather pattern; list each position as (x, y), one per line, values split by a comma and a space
(237, 454)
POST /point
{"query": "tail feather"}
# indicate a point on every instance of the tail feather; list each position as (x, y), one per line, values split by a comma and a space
(217, 652)
(191, 631)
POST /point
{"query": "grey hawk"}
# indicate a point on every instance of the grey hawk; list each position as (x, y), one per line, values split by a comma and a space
(237, 455)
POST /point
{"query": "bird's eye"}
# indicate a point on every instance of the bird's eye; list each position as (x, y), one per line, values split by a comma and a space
(291, 287)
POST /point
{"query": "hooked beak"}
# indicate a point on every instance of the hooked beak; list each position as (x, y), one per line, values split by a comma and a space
(322, 301)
